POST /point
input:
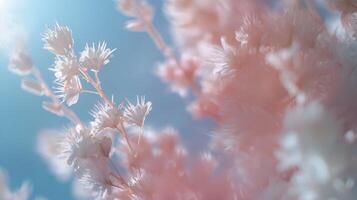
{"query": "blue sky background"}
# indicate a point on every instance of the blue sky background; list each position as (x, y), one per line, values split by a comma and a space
(130, 73)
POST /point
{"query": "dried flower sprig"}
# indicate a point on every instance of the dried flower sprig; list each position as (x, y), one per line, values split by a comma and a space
(84, 147)
(278, 84)
(38, 86)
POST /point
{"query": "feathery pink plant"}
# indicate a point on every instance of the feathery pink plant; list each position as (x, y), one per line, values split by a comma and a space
(279, 84)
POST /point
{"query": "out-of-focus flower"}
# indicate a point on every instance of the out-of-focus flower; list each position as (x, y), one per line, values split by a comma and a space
(80, 191)
(138, 8)
(80, 143)
(136, 114)
(106, 116)
(94, 58)
(32, 86)
(23, 193)
(20, 62)
(181, 75)
(89, 156)
(49, 147)
(323, 161)
(59, 40)
(126, 7)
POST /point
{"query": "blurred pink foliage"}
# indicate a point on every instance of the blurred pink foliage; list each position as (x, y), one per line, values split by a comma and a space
(280, 85)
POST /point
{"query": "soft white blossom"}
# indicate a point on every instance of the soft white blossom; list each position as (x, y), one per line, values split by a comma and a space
(89, 156)
(106, 116)
(66, 68)
(49, 148)
(80, 144)
(95, 57)
(59, 40)
(136, 114)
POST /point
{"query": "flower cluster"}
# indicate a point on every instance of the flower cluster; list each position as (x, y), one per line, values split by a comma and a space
(279, 85)
(83, 149)
(67, 67)
(255, 61)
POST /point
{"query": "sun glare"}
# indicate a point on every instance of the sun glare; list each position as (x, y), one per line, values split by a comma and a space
(5, 5)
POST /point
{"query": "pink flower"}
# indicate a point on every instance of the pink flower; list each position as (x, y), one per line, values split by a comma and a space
(181, 75)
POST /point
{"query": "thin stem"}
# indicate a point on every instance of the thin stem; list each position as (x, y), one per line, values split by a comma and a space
(97, 86)
(123, 132)
(160, 43)
(155, 35)
(117, 175)
(68, 113)
(97, 79)
(89, 92)
(140, 134)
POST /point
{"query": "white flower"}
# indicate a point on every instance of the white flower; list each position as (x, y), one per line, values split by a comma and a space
(65, 68)
(105, 116)
(89, 156)
(58, 41)
(20, 62)
(69, 90)
(136, 114)
(94, 58)
(81, 144)
(66, 71)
